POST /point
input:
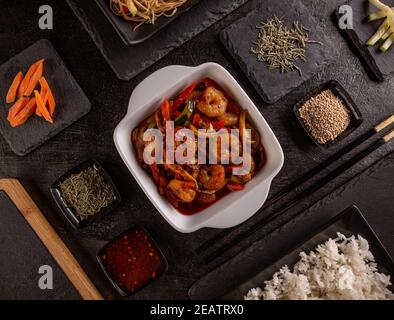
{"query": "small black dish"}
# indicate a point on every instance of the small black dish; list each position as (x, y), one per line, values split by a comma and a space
(125, 28)
(356, 117)
(110, 277)
(68, 211)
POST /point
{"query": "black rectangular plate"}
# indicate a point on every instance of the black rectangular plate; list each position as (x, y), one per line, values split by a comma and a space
(127, 62)
(272, 84)
(376, 183)
(378, 65)
(338, 90)
(72, 102)
(22, 255)
(125, 29)
(350, 222)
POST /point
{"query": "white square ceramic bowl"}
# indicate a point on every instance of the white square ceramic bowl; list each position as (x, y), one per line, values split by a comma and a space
(234, 208)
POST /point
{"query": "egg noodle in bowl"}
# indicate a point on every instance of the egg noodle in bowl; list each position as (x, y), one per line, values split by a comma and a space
(145, 11)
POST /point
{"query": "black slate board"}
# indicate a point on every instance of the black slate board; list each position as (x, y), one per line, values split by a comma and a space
(272, 84)
(22, 254)
(371, 191)
(349, 223)
(127, 62)
(72, 103)
(378, 65)
(125, 29)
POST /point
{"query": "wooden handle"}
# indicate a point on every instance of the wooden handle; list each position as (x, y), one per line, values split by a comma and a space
(389, 136)
(384, 124)
(50, 239)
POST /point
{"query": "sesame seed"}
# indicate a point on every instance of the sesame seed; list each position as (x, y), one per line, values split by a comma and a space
(325, 116)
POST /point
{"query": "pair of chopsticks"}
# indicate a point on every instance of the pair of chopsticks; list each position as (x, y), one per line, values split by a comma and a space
(319, 184)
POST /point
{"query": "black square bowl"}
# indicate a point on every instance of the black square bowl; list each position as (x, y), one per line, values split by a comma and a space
(153, 244)
(68, 211)
(125, 28)
(338, 90)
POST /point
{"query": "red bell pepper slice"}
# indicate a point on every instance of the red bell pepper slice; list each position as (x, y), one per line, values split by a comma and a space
(183, 96)
(165, 110)
(234, 108)
(197, 120)
(217, 125)
(233, 186)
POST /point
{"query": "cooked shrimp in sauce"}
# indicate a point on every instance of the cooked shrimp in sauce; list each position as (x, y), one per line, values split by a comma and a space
(192, 187)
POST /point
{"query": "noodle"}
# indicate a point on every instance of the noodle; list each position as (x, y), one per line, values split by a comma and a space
(145, 11)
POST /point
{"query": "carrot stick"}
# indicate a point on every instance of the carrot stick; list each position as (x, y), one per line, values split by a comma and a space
(44, 99)
(26, 80)
(42, 108)
(17, 107)
(13, 90)
(48, 95)
(24, 114)
(34, 79)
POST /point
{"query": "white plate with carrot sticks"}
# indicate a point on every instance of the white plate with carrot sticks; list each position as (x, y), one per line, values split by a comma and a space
(38, 98)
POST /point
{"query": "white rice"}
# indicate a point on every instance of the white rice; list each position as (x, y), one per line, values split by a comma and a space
(340, 269)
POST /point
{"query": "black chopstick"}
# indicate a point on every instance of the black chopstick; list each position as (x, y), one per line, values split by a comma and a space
(310, 174)
(331, 176)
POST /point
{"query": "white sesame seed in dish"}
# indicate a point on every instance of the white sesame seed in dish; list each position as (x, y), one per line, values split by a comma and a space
(325, 116)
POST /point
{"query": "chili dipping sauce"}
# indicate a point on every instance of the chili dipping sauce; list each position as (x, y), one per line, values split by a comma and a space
(132, 260)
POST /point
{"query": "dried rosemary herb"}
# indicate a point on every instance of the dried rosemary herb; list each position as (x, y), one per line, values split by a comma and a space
(87, 193)
(281, 46)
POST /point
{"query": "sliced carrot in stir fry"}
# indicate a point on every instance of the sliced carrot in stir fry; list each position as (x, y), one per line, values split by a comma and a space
(183, 97)
(13, 90)
(165, 110)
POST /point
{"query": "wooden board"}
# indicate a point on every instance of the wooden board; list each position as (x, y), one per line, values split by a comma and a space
(71, 101)
(13, 200)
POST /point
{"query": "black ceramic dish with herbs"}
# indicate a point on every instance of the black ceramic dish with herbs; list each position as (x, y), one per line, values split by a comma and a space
(68, 211)
(339, 91)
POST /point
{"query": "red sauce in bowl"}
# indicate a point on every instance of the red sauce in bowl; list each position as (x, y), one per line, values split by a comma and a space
(132, 261)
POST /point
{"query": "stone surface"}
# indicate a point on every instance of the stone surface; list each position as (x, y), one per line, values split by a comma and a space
(91, 137)
(127, 62)
(72, 103)
(379, 65)
(272, 84)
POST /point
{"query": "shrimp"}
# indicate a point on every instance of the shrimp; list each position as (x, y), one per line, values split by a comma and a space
(225, 153)
(182, 190)
(212, 177)
(230, 119)
(213, 103)
(206, 198)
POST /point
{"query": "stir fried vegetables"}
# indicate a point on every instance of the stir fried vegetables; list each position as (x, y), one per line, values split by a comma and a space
(385, 33)
(206, 110)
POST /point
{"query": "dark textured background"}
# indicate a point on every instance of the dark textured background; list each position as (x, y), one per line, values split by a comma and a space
(92, 137)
